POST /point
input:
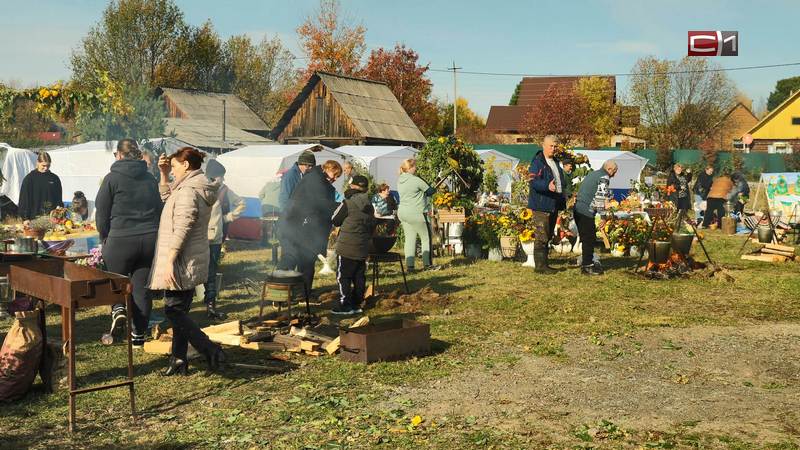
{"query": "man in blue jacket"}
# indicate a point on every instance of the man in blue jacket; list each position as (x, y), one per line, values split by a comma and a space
(546, 198)
(289, 180)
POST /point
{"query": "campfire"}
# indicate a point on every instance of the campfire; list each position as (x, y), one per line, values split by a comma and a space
(676, 265)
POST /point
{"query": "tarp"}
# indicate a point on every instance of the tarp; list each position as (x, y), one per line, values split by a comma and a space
(249, 169)
(17, 162)
(82, 167)
(503, 166)
(783, 193)
(629, 165)
(382, 161)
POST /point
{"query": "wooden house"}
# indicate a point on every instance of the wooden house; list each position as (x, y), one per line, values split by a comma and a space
(779, 131)
(336, 110)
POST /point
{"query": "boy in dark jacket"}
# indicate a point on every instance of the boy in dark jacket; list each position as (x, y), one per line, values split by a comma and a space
(356, 218)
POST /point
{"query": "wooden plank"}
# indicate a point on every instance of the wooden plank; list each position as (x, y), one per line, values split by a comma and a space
(226, 339)
(165, 348)
(259, 336)
(305, 333)
(233, 327)
(269, 346)
(291, 343)
(764, 258)
(777, 252)
(783, 248)
(314, 353)
(309, 346)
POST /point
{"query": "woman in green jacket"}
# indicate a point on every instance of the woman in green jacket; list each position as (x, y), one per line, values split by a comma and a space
(413, 212)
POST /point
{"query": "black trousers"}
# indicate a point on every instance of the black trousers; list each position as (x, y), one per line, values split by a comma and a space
(351, 276)
(587, 230)
(184, 330)
(294, 258)
(132, 256)
(715, 207)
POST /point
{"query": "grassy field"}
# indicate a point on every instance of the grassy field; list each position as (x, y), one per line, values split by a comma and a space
(519, 361)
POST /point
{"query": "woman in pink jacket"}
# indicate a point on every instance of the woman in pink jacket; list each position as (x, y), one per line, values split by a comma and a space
(182, 256)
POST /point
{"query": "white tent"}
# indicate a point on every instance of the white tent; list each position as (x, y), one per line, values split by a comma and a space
(17, 162)
(249, 169)
(629, 165)
(82, 167)
(383, 161)
(503, 166)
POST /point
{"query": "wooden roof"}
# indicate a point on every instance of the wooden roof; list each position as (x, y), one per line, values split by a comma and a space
(207, 106)
(370, 105)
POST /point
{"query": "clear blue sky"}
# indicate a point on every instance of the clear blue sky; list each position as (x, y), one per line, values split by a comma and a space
(516, 36)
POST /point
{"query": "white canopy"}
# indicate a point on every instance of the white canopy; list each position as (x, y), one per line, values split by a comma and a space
(248, 169)
(82, 167)
(17, 162)
(503, 166)
(383, 161)
(629, 165)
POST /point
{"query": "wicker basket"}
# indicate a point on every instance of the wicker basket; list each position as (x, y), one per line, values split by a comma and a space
(659, 212)
(508, 246)
(454, 215)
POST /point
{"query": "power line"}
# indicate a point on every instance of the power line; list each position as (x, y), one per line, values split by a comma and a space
(627, 74)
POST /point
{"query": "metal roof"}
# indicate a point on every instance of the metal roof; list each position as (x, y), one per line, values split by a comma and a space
(202, 105)
(370, 105)
(207, 133)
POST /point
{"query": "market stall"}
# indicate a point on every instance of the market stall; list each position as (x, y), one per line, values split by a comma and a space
(382, 161)
(503, 166)
(629, 165)
(17, 162)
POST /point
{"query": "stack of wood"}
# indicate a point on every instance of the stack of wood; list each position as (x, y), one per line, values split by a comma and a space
(272, 335)
(772, 253)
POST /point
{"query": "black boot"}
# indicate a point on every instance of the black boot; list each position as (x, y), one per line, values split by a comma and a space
(540, 258)
(215, 358)
(213, 313)
(176, 367)
(591, 270)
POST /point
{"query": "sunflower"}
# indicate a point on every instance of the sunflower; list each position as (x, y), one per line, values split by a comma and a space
(526, 235)
(526, 214)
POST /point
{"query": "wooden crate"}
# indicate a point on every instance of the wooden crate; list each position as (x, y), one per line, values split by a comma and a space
(454, 215)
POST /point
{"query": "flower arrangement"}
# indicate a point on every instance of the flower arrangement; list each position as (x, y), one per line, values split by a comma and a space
(454, 159)
(94, 260)
(41, 224)
(449, 200)
(564, 153)
(626, 233)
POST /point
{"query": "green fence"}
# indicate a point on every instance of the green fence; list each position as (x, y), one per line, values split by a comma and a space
(753, 162)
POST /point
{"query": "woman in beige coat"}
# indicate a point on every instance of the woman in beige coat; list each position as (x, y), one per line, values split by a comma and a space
(182, 256)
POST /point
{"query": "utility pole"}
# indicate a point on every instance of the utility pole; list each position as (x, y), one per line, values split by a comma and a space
(455, 97)
(223, 119)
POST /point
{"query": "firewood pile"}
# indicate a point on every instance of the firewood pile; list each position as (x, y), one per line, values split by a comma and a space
(774, 253)
(281, 334)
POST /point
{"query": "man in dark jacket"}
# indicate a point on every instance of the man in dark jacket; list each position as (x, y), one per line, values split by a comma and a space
(127, 212)
(545, 199)
(292, 177)
(356, 218)
(593, 196)
(701, 188)
(305, 224)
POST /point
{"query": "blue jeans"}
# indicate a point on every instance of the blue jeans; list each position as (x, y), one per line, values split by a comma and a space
(215, 250)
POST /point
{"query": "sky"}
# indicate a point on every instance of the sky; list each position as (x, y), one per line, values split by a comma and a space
(577, 37)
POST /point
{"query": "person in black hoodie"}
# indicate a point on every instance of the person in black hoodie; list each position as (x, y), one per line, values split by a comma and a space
(41, 190)
(701, 188)
(679, 181)
(356, 218)
(128, 209)
(306, 222)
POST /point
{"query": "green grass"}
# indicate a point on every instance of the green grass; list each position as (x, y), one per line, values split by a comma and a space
(500, 312)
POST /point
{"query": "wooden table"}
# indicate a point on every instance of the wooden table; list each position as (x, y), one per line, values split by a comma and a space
(72, 286)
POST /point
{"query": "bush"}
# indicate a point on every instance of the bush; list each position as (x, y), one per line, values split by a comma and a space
(433, 161)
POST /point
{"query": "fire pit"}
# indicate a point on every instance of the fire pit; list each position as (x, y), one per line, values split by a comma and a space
(677, 265)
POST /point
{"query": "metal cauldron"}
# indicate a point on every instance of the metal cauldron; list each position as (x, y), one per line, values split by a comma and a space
(658, 251)
(682, 243)
(764, 234)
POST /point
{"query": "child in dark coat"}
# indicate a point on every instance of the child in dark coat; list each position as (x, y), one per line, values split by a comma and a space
(356, 218)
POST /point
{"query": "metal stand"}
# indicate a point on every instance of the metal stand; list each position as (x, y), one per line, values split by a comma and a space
(750, 235)
(678, 222)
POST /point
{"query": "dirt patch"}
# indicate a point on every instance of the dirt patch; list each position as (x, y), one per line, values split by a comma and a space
(423, 299)
(742, 382)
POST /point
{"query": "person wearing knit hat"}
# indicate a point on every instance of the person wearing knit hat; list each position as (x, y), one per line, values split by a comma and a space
(226, 209)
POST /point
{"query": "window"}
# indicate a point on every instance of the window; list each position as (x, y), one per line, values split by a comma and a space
(779, 147)
(795, 120)
(739, 145)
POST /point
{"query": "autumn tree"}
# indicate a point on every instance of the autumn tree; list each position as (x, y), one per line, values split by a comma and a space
(515, 95)
(198, 60)
(129, 43)
(471, 127)
(783, 89)
(682, 103)
(263, 75)
(602, 111)
(330, 42)
(562, 112)
(400, 70)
